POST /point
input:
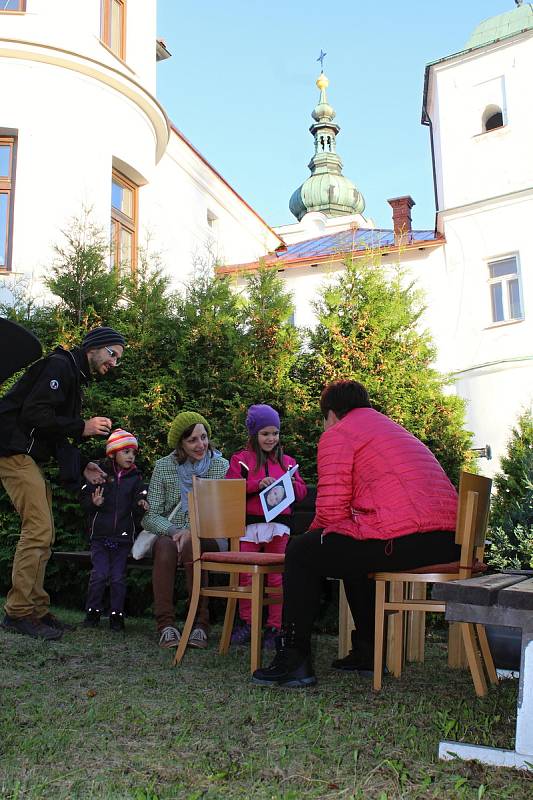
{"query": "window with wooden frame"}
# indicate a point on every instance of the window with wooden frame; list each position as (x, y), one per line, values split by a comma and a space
(123, 223)
(12, 5)
(7, 187)
(113, 26)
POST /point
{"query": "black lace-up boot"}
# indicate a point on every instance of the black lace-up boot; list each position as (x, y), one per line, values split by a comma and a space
(291, 667)
(360, 658)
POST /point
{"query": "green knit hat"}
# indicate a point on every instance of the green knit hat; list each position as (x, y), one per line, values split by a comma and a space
(183, 421)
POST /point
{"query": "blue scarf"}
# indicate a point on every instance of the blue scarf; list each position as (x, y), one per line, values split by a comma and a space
(190, 468)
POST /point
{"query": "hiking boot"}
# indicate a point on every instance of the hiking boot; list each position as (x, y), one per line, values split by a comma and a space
(269, 638)
(360, 659)
(92, 618)
(31, 626)
(242, 634)
(53, 622)
(291, 667)
(116, 622)
(198, 638)
(170, 637)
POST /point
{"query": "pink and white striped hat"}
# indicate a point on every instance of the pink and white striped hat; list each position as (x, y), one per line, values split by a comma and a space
(119, 440)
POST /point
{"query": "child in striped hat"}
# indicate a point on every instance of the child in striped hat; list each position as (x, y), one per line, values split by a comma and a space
(114, 511)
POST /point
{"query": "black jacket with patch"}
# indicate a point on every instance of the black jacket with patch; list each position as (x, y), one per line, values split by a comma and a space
(119, 517)
(43, 409)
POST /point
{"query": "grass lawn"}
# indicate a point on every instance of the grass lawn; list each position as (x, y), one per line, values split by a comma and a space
(98, 715)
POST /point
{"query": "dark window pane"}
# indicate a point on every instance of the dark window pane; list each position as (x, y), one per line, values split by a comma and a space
(515, 310)
(507, 266)
(3, 228)
(5, 158)
(495, 121)
(497, 302)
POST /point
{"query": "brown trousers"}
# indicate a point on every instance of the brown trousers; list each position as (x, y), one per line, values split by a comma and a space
(30, 493)
(166, 560)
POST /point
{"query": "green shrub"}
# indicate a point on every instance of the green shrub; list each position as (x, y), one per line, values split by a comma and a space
(511, 519)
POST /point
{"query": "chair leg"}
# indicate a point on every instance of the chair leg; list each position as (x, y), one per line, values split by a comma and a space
(378, 635)
(456, 652)
(486, 654)
(257, 615)
(229, 617)
(397, 644)
(474, 659)
(346, 625)
(416, 624)
(395, 631)
(191, 616)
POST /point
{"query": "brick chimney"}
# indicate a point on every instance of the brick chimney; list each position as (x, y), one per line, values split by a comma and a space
(401, 218)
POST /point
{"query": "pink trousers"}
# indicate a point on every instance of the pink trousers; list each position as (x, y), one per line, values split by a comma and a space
(277, 545)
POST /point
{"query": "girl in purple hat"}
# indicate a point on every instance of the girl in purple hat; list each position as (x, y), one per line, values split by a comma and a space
(261, 463)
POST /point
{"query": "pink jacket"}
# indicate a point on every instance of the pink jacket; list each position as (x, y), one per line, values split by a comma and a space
(378, 481)
(254, 477)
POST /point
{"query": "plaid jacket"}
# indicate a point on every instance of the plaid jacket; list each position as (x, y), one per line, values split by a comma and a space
(164, 494)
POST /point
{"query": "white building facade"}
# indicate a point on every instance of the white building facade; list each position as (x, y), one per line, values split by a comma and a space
(81, 128)
(478, 106)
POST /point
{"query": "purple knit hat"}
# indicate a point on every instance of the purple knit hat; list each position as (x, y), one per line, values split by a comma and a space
(261, 416)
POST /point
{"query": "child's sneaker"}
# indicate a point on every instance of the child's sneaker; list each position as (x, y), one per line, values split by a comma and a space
(92, 618)
(269, 638)
(116, 621)
(242, 634)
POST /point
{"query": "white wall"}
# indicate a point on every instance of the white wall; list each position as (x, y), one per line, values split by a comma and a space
(79, 111)
(473, 165)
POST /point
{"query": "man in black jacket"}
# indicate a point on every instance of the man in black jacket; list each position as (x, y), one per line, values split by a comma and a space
(38, 416)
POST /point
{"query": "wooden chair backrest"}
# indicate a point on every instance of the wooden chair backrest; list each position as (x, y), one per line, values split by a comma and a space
(472, 518)
(482, 486)
(217, 509)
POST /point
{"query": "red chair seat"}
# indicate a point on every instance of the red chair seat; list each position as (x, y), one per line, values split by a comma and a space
(259, 559)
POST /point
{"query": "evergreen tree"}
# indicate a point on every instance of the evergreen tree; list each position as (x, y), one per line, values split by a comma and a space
(511, 519)
(369, 330)
(81, 278)
(271, 349)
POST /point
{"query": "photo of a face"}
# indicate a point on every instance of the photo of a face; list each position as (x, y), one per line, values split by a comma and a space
(275, 495)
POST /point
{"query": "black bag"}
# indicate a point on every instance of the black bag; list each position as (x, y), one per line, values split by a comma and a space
(69, 461)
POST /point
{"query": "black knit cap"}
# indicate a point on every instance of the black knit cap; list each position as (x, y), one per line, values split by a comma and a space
(99, 337)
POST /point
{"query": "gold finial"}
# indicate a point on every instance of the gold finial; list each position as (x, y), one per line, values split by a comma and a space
(322, 82)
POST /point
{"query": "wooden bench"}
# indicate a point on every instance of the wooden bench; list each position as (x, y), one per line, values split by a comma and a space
(505, 598)
(302, 517)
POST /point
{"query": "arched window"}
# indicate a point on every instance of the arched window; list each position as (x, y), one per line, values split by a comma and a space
(492, 118)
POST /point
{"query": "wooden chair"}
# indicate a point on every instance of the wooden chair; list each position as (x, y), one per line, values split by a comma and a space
(395, 594)
(217, 509)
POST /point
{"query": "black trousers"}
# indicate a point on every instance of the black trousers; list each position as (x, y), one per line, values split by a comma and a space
(311, 557)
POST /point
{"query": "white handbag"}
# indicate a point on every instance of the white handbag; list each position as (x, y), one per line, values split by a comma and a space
(144, 541)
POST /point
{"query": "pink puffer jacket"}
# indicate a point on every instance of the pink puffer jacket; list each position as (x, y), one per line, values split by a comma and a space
(378, 481)
(255, 476)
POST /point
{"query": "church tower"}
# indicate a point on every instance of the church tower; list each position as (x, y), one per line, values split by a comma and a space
(326, 190)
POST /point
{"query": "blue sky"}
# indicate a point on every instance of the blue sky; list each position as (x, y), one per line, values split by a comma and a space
(241, 86)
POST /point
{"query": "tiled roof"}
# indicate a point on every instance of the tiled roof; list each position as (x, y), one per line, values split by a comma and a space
(335, 244)
(346, 241)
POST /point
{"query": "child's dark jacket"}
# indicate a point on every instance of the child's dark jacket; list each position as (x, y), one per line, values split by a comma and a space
(119, 517)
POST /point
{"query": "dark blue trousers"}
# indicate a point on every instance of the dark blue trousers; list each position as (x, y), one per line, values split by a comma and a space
(108, 566)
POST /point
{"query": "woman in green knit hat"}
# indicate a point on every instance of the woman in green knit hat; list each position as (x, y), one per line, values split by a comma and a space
(192, 454)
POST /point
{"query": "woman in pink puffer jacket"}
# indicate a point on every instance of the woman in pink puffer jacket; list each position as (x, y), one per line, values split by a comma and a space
(383, 503)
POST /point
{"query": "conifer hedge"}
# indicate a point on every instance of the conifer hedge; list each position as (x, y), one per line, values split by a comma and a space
(217, 348)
